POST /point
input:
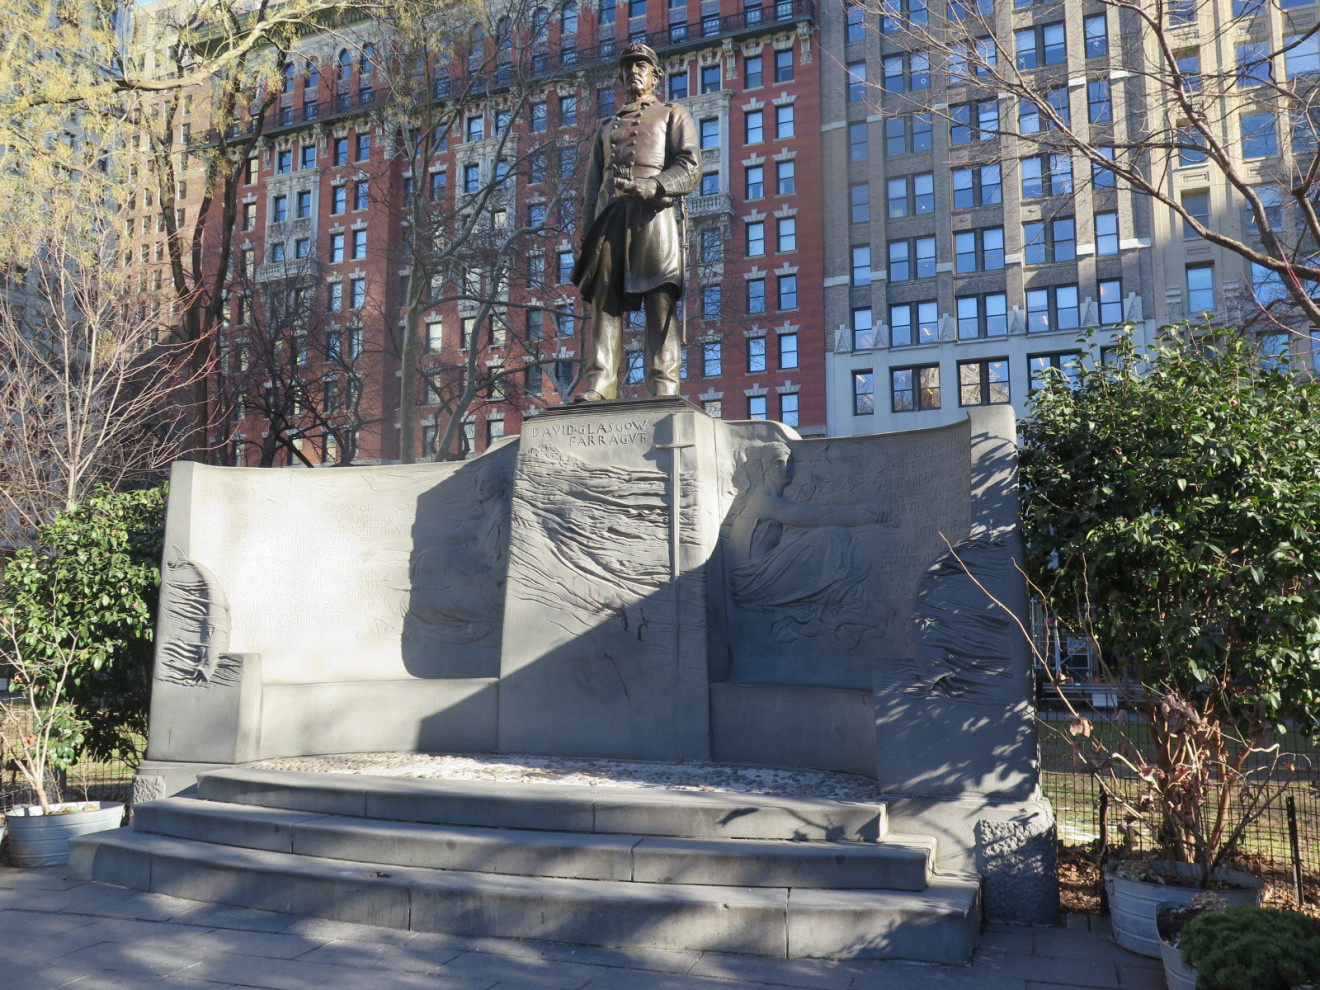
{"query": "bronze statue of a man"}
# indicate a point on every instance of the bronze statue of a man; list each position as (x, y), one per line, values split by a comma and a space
(632, 249)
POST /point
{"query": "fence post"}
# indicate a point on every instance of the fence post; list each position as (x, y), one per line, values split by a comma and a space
(1295, 848)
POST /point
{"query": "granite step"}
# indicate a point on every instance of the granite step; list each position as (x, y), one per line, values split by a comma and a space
(894, 862)
(938, 924)
(551, 807)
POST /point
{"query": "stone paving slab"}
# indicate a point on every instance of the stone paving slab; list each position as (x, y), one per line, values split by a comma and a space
(55, 933)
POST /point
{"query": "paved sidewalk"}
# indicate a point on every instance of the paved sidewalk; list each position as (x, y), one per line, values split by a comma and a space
(55, 933)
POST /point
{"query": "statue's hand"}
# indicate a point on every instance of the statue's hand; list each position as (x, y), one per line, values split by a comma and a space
(647, 189)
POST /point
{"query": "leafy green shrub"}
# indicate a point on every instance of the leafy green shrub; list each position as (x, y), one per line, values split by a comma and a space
(1252, 948)
(1169, 506)
(78, 610)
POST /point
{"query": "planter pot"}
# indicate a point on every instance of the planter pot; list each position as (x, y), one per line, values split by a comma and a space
(1177, 974)
(43, 840)
(1132, 903)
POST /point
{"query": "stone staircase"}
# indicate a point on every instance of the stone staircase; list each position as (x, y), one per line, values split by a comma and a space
(612, 866)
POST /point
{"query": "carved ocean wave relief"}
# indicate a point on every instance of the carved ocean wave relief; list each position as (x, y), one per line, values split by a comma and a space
(594, 539)
(194, 626)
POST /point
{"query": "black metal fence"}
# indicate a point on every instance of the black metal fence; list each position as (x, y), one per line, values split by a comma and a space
(1076, 796)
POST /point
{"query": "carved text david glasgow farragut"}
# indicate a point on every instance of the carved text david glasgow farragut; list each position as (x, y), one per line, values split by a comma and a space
(597, 434)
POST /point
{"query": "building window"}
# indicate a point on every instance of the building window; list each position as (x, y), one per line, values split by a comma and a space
(357, 291)
(859, 197)
(361, 196)
(284, 162)
(1201, 288)
(1054, 307)
(710, 79)
(1096, 32)
(471, 178)
(359, 245)
(1099, 105)
(1111, 301)
(982, 316)
(1301, 56)
(978, 186)
(336, 248)
(906, 72)
(983, 383)
(914, 323)
(754, 126)
(710, 183)
(1046, 368)
(786, 234)
(755, 296)
(755, 239)
(302, 248)
(1271, 201)
(279, 209)
(785, 178)
(755, 355)
(857, 81)
(914, 389)
(788, 292)
(909, 195)
(1046, 175)
(788, 351)
(863, 329)
(863, 393)
(861, 264)
(854, 27)
(678, 86)
(756, 407)
(1029, 112)
(304, 204)
(712, 246)
(338, 199)
(1049, 240)
(710, 132)
(363, 147)
(978, 250)
(755, 181)
(1259, 136)
(1045, 44)
(711, 301)
(276, 252)
(974, 121)
(911, 258)
(784, 66)
(309, 156)
(753, 71)
(858, 143)
(905, 135)
(1101, 176)
(785, 126)
(711, 360)
(788, 409)
(1197, 205)
(1182, 12)
(336, 297)
(1253, 59)
(1106, 233)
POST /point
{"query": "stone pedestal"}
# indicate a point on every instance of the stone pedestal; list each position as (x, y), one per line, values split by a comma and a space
(605, 618)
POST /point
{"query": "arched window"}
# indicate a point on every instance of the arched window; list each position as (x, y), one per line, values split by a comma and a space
(345, 65)
(288, 78)
(541, 25)
(568, 19)
(368, 59)
(504, 34)
(312, 78)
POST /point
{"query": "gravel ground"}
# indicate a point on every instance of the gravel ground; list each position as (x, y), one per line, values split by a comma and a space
(685, 776)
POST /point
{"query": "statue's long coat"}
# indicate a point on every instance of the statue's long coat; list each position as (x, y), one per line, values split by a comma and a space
(650, 139)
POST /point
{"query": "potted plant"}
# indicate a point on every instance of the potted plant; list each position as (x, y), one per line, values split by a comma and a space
(1171, 919)
(1252, 948)
(1169, 500)
(71, 606)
